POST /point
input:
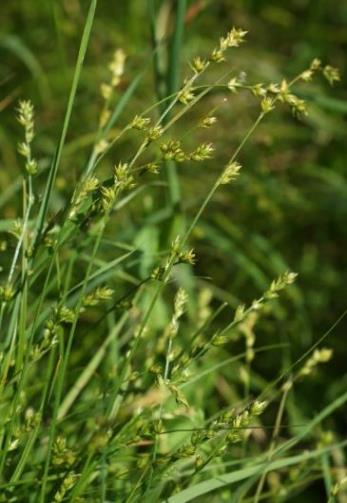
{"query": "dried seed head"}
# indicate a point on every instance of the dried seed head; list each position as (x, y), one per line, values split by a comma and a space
(172, 150)
(240, 313)
(88, 186)
(106, 91)
(230, 173)
(297, 105)
(280, 283)
(62, 454)
(25, 116)
(233, 84)
(235, 37)
(180, 302)
(257, 408)
(186, 94)
(187, 257)
(140, 123)
(208, 121)
(267, 104)
(152, 167)
(68, 482)
(259, 90)
(217, 56)
(154, 133)
(322, 355)
(6, 293)
(32, 167)
(101, 146)
(316, 64)
(117, 66)
(108, 197)
(307, 75)
(101, 294)
(199, 65)
(123, 180)
(202, 152)
(331, 74)
(64, 314)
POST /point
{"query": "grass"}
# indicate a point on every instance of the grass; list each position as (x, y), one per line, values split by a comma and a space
(154, 344)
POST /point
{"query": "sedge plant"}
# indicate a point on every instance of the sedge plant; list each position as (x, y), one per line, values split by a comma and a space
(108, 363)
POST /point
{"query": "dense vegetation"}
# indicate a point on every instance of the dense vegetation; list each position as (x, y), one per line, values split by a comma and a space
(172, 250)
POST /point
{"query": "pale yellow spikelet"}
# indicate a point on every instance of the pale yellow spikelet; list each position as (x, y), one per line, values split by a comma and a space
(230, 173)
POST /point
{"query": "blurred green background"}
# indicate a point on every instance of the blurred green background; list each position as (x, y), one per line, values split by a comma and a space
(288, 210)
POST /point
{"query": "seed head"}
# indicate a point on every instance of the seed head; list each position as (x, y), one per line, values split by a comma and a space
(199, 65)
(172, 150)
(101, 294)
(230, 173)
(280, 283)
(267, 104)
(208, 121)
(108, 197)
(186, 94)
(307, 75)
(154, 133)
(106, 91)
(235, 37)
(257, 408)
(101, 146)
(202, 152)
(259, 91)
(140, 123)
(6, 293)
(322, 355)
(217, 56)
(123, 180)
(233, 84)
(152, 167)
(117, 66)
(331, 74)
(316, 64)
(25, 116)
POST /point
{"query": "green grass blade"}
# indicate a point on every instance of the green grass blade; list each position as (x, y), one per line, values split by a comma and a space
(57, 158)
(176, 48)
(214, 484)
(173, 77)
